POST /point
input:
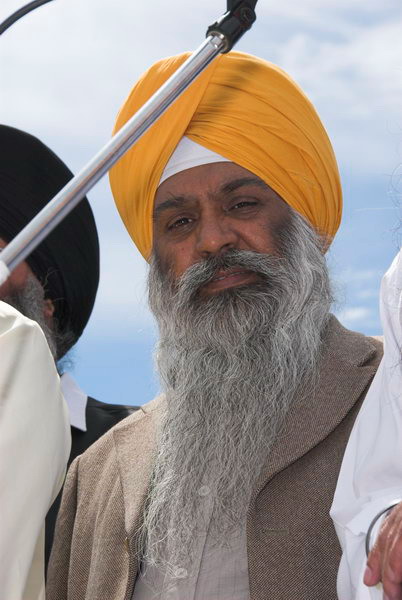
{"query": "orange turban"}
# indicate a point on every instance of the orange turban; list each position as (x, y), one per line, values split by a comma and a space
(250, 112)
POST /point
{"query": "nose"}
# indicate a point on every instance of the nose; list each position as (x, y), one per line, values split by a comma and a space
(215, 235)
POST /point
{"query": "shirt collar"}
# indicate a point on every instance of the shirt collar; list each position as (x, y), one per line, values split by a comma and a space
(76, 400)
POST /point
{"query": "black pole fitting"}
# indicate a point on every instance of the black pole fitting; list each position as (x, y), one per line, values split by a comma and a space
(234, 23)
(20, 13)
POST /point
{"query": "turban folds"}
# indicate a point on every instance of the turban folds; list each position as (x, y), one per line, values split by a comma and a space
(250, 112)
(67, 261)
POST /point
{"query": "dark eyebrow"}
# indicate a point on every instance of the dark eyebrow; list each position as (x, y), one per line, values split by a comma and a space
(227, 188)
(173, 202)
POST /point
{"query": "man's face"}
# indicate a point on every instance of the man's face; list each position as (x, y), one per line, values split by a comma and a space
(207, 210)
(17, 282)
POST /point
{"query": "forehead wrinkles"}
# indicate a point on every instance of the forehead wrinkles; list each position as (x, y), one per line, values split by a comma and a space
(208, 188)
(186, 191)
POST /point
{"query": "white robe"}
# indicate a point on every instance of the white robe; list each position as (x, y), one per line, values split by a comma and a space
(371, 474)
(34, 448)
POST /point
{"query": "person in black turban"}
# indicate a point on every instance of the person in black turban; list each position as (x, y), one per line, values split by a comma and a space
(67, 262)
(57, 284)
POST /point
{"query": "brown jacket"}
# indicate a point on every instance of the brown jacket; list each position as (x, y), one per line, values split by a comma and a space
(293, 552)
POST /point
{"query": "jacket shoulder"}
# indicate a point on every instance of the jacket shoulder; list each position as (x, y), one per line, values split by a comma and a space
(351, 347)
(102, 453)
(109, 408)
(378, 343)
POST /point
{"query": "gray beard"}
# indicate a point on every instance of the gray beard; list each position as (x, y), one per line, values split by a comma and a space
(230, 365)
(29, 302)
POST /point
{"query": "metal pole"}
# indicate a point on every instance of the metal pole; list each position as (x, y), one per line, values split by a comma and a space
(221, 36)
(54, 212)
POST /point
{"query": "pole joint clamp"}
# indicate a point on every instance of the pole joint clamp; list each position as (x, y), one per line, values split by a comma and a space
(234, 23)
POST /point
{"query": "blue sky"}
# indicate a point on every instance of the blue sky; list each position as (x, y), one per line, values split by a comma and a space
(66, 68)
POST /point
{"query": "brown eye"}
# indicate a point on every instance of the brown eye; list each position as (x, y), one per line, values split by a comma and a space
(180, 223)
(243, 204)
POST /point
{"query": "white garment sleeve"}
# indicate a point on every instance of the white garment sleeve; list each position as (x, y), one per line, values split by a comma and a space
(35, 443)
(370, 478)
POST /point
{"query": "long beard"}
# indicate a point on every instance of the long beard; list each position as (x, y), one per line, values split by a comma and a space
(230, 366)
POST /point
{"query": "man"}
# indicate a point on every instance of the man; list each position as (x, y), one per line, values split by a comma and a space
(57, 285)
(221, 488)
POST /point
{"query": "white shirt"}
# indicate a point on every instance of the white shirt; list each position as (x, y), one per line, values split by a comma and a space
(76, 401)
(371, 474)
(217, 573)
(34, 448)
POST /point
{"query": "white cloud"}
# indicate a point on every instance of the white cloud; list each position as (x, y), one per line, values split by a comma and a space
(356, 84)
(353, 314)
(368, 294)
(351, 275)
(121, 308)
(360, 318)
(323, 12)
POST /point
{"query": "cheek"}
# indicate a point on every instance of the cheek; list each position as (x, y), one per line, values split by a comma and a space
(16, 281)
(180, 260)
(6, 289)
(262, 239)
(267, 236)
(174, 259)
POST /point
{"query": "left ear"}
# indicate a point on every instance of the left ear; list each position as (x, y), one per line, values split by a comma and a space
(48, 309)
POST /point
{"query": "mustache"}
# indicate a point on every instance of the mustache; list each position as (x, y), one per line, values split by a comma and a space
(201, 273)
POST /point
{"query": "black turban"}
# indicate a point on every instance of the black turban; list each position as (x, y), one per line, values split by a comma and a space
(67, 261)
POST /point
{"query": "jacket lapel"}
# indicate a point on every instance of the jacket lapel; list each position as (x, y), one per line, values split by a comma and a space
(135, 447)
(344, 375)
